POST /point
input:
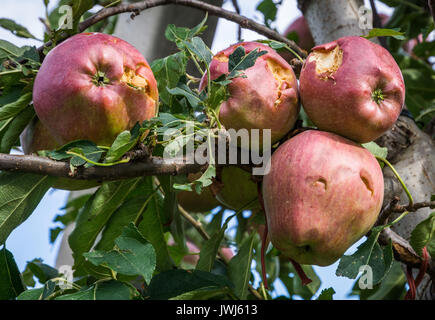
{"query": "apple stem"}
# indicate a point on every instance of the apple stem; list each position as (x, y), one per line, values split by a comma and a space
(264, 238)
(301, 273)
(413, 284)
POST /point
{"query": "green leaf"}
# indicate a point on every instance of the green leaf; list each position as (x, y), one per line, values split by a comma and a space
(423, 235)
(207, 293)
(85, 148)
(42, 271)
(79, 7)
(378, 32)
(239, 267)
(269, 10)
(173, 283)
(326, 294)
(20, 193)
(123, 143)
(239, 60)
(8, 49)
(107, 290)
(369, 254)
(11, 135)
(27, 276)
(200, 49)
(392, 286)
(178, 34)
(168, 72)
(210, 248)
(54, 233)
(185, 91)
(12, 109)
(16, 28)
(133, 255)
(11, 284)
(376, 150)
(33, 294)
(95, 214)
(151, 227)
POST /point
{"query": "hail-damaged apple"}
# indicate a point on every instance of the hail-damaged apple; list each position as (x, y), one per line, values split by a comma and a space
(352, 87)
(323, 193)
(266, 97)
(36, 137)
(194, 202)
(94, 86)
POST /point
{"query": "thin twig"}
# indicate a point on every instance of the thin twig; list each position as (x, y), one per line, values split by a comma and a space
(198, 226)
(239, 28)
(242, 21)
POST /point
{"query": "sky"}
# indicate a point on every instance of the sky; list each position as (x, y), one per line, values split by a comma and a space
(31, 239)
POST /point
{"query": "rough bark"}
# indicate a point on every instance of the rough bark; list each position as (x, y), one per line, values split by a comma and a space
(411, 151)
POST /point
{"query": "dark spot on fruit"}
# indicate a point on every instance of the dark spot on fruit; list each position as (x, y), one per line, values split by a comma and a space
(367, 184)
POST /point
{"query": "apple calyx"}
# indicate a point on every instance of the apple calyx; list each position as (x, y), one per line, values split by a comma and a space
(100, 79)
(378, 96)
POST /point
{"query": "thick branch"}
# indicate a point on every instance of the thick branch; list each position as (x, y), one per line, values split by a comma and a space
(242, 21)
(46, 166)
(403, 251)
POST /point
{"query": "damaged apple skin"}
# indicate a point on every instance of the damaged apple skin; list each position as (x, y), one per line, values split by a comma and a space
(36, 137)
(94, 86)
(352, 87)
(267, 98)
(323, 193)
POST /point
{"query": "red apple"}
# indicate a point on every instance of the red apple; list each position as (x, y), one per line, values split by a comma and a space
(352, 87)
(300, 27)
(192, 257)
(194, 202)
(36, 137)
(323, 193)
(94, 86)
(266, 99)
(238, 189)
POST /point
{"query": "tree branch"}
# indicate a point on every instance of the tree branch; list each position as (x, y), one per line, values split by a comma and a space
(148, 167)
(135, 9)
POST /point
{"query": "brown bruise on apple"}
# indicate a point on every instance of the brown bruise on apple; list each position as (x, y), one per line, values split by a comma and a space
(327, 61)
(135, 80)
(283, 76)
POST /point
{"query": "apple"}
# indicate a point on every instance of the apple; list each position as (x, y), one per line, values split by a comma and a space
(323, 193)
(304, 37)
(94, 86)
(352, 87)
(194, 202)
(192, 257)
(36, 137)
(267, 98)
(237, 189)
